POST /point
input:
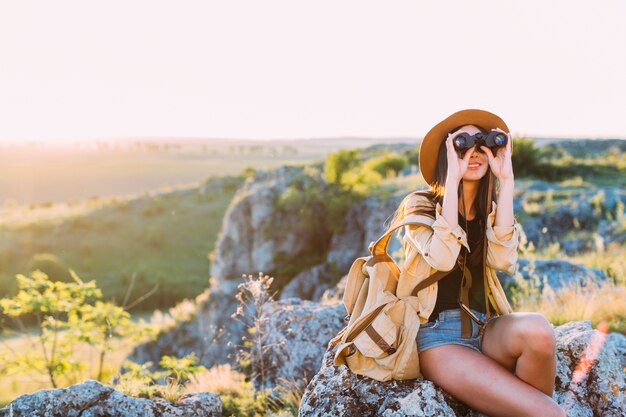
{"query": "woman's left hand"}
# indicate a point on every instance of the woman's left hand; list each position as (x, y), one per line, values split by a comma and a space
(501, 164)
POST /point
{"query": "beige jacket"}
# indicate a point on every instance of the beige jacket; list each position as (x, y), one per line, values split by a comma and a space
(430, 249)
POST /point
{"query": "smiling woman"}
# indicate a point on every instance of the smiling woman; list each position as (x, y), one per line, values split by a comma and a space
(470, 342)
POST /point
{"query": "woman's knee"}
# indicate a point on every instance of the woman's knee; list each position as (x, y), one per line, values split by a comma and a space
(537, 334)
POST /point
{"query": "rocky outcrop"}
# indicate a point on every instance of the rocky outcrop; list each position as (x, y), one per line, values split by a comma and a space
(590, 381)
(248, 243)
(246, 246)
(91, 398)
(254, 231)
(365, 222)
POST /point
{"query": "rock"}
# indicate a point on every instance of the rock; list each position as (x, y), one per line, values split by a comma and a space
(92, 399)
(591, 372)
(580, 209)
(312, 283)
(294, 335)
(556, 273)
(601, 391)
(364, 223)
(254, 232)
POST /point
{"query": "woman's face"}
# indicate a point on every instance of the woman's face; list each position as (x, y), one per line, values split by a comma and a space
(478, 162)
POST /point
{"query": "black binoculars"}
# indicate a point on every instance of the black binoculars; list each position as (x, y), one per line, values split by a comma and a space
(493, 140)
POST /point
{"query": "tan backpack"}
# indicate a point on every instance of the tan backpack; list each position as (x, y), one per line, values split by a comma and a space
(380, 338)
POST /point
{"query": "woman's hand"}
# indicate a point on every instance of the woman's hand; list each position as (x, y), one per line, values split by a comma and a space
(457, 167)
(501, 164)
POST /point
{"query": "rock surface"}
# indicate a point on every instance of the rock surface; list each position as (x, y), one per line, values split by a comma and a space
(590, 382)
(294, 335)
(254, 231)
(92, 399)
(556, 273)
(365, 222)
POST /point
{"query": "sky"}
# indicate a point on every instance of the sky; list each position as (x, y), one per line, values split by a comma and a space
(84, 70)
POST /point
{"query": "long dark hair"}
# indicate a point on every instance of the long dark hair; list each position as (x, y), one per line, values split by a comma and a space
(435, 193)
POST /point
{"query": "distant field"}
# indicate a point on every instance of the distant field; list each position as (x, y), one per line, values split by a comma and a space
(43, 175)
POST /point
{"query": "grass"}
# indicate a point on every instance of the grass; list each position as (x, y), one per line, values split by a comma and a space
(598, 302)
(603, 303)
(12, 386)
(164, 239)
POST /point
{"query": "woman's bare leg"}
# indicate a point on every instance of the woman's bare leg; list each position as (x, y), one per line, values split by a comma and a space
(483, 384)
(523, 343)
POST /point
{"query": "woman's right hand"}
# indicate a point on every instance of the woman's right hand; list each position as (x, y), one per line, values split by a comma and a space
(457, 167)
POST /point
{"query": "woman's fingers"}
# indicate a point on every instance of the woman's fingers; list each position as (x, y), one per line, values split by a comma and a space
(468, 155)
(488, 152)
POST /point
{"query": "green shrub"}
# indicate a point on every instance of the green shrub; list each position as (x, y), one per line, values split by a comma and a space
(338, 163)
(412, 155)
(67, 314)
(526, 157)
(50, 265)
(389, 162)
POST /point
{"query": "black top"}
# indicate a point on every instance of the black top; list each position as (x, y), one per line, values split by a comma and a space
(450, 285)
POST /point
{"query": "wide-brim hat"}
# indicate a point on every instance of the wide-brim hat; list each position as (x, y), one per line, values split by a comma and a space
(429, 149)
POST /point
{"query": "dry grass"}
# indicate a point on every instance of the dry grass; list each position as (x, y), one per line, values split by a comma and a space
(598, 302)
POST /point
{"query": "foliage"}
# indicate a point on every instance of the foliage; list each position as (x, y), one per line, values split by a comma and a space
(388, 164)
(412, 155)
(51, 265)
(65, 314)
(307, 204)
(339, 163)
(526, 157)
(139, 381)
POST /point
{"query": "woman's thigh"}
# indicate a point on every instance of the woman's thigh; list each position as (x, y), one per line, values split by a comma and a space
(506, 336)
(482, 383)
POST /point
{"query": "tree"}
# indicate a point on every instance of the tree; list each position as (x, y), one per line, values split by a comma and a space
(338, 163)
(64, 316)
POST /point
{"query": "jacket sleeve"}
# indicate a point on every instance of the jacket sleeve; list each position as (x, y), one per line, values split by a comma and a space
(439, 245)
(502, 244)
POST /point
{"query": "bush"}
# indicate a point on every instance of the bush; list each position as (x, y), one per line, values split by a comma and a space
(339, 163)
(51, 265)
(526, 157)
(67, 314)
(390, 162)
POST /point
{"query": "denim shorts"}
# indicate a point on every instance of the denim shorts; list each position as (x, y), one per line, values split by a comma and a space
(446, 330)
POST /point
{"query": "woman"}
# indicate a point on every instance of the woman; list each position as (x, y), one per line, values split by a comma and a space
(507, 366)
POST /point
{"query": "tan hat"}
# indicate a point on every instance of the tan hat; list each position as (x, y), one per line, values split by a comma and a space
(429, 148)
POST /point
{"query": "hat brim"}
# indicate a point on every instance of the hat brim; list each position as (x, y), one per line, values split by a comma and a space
(429, 149)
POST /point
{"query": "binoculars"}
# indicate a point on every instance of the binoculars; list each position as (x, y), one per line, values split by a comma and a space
(493, 140)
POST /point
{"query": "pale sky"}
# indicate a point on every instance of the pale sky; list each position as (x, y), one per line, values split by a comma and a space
(293, 69)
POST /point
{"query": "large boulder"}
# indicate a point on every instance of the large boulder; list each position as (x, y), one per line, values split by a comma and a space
(92, 399)
(590, 381)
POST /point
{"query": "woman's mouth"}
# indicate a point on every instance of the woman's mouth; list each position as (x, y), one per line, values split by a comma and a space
(473, 166)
